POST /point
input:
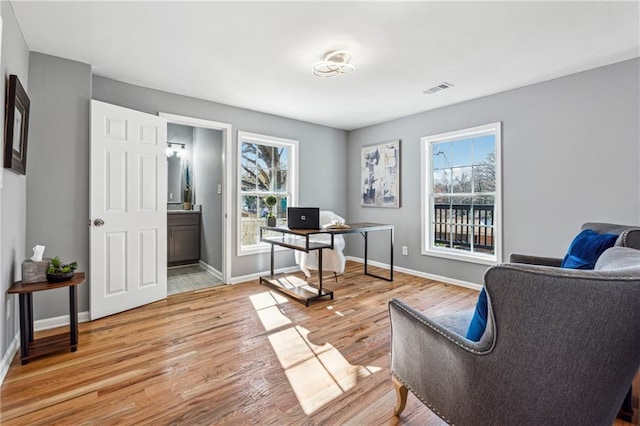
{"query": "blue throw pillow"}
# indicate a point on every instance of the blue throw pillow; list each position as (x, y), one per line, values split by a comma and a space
(583, 253)
(585, 249)
(479, 319)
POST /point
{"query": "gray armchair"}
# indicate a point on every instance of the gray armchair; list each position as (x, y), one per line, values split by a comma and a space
(561, 347)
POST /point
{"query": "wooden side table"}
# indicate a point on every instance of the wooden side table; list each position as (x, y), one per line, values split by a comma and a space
(30, 348)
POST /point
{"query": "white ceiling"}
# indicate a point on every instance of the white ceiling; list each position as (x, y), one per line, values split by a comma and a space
(258, 55)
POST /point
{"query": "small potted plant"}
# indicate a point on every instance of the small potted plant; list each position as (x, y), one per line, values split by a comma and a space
(270, 201)
(58, 272)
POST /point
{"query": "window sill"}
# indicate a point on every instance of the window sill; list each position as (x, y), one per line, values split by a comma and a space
(470, 258)
(258, 249)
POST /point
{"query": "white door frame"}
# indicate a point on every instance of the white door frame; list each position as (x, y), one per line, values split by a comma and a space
(227, 136)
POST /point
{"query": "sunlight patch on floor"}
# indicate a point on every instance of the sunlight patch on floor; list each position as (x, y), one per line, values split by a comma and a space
(266, 299)
(295, 348)
(330, 308)
(312, 384)
(270, 314)
(317, 373)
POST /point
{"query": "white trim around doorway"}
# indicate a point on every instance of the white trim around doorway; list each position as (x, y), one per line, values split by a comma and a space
(227, 180)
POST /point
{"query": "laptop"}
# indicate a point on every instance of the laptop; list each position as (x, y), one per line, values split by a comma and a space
(303, 217)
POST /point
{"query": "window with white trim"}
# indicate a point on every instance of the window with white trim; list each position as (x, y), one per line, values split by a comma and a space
(462, 194)
(267, 165)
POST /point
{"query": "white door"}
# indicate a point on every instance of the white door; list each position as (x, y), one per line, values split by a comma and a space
(128, 238)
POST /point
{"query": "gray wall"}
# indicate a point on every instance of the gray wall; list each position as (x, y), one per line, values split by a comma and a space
(323, 160)
(57, 187)
(58, 176)
(571, 154)
(13, 195)
(208, 163)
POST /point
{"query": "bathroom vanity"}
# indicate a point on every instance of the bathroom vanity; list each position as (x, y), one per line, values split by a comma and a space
(183, 237)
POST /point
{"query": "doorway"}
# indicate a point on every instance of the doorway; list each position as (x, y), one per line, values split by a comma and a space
(185, 278)
(210, 195)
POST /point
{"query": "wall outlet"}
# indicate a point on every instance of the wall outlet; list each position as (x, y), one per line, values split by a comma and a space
(405, 251)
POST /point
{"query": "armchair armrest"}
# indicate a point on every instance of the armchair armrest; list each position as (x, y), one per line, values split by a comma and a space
(418, 341)
(535, 260)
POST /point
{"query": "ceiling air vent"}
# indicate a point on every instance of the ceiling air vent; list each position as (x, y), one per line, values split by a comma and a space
(436, 89)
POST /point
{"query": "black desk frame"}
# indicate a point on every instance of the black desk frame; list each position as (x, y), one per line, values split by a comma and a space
(364, 229)
(291, 238)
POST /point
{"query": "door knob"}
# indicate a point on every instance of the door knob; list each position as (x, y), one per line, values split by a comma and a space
(98, 222)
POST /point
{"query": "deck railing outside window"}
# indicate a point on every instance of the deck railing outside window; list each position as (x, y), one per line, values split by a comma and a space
(460, 225)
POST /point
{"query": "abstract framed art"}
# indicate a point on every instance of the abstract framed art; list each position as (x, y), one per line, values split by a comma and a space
(380, 177)
(16, 127)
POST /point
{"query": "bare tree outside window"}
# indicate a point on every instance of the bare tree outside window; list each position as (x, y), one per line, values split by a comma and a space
(264, 170)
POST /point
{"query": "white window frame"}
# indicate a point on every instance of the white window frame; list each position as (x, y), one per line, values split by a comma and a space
(428, 248)
(292, 182)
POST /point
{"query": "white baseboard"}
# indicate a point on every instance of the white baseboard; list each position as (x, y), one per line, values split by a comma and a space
(213, 271)
(48, 323)
(251, 277)
(446, 280)
(39, 325)
(188, 265)
(8, 357)
(420, 274)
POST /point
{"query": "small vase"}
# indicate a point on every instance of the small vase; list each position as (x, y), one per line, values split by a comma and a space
(186, 200)
(271, 221)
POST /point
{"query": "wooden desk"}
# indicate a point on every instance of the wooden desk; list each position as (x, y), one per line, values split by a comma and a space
(299, 239)
(30, 348)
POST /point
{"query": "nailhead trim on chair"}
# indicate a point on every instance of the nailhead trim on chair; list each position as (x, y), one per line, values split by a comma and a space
(624, 238)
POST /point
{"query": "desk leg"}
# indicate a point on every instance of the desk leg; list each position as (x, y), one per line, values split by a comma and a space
(366, 249)
(272, 257)
(320, 272)
(73, 317)
(24, 327)
(391, 254)
(366, 256)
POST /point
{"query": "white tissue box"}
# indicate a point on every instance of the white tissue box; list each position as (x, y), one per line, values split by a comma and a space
(34, 271)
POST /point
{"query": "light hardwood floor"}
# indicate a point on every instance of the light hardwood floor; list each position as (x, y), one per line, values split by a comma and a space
(237, 354)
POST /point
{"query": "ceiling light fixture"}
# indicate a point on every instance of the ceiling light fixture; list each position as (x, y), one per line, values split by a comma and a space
(176, 148)
(334, 63)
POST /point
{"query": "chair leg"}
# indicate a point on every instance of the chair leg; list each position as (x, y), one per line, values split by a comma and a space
(401, 395)
(335, 276)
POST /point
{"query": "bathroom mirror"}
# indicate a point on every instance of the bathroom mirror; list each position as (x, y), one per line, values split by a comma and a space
(174, 176)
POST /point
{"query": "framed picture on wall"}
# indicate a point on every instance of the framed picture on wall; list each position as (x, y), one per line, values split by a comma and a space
(16, 127)
(380, 177)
